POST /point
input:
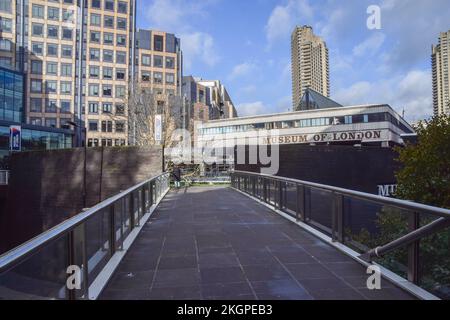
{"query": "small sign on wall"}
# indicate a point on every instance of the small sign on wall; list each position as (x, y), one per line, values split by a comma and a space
(15, 138)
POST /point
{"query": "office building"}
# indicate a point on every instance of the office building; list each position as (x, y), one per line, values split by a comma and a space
(309, 64)
(440, 69)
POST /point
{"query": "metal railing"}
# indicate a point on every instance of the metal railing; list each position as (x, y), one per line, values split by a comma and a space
(408, 238)
(63, 262)
(4, 177)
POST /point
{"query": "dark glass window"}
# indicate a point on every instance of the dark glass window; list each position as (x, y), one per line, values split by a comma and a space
(108, 22)
(109, 5)
(93, 125)
(158, 43)
(96, 4)
(122, 7)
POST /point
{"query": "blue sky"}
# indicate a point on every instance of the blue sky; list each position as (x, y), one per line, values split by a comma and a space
(246, 45)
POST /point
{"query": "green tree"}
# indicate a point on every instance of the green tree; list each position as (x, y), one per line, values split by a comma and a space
(425, 173)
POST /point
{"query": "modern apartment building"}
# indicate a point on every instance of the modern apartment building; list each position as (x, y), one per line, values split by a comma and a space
(309, 63)
(440, 68)
(209, 99)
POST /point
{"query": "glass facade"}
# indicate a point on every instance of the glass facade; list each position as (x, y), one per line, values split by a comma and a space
(11, 95)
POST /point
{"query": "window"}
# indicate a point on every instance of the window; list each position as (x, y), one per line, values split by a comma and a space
(107, 108)
(36, 121)
(52, 13)
(5, 24)
(95, 37)
(51, 106)
(65, 106)
(120, 126)
(107, 73)
(52, 31)
(120, 109)
(37, 29)
(68, 15)
(348, 119)
(106, 126)
(107, 90)
(120, 74)
(108, 56)
(36, 67)
(66, 70)
(158, 61)
(170, 62)
(52, 50)
(157, 77)
(122, 7)
(120, 91)
(94, 54)
(5, 5)
(108, 22)
(93, 125)
(121, 23)
(121, 57)
(121, 40)
(6, 61)
(52, 68)
(66, 51)
(37, 11)
(36, 105)
(93, 107)
(146, 76)
(94, 71)
(170, 92)
(37, 48)
(108, 38)
(96, 4)
(51, 86)
(93, 90)
(5, 45)
(96, 20)
(109, 5)
(50, 122)
(146, 60)
(158, 43)
(170, 78)
(36, 85)
(67, 34)
(63, 123)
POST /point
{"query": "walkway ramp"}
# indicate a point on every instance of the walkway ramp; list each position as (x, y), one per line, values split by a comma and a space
(216, 243)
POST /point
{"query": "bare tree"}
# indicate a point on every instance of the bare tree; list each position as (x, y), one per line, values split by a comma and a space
(143, 105)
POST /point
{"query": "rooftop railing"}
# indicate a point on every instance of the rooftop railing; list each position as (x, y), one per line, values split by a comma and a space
(407, 238)
(67, 261)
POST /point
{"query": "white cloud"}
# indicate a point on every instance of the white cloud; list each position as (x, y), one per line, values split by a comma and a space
(199, 45)
(410, 91)
(177, 16)
(369, 46)
(241, 70)
(283, 19)
(251, 109)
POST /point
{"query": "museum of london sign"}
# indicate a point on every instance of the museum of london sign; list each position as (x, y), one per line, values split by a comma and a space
(323, 137)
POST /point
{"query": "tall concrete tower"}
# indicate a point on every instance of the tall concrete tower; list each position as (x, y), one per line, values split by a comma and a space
(309, 63)
(441, 80)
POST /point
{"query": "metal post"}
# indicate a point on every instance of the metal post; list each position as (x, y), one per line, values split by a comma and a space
(131, 210)
(70, 293)
(338, 218)
(113, 229)
(413, 250)
(143, 200)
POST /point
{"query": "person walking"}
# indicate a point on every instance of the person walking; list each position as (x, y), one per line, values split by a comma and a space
(176, 173)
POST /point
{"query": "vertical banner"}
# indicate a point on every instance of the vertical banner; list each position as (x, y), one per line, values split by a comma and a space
(15, 138)
(158, 128)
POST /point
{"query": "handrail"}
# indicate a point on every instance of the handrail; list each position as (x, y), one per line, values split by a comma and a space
(26, 249)
(402, 204)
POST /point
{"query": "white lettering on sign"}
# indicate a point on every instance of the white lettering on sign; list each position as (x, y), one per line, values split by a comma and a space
(387, 190)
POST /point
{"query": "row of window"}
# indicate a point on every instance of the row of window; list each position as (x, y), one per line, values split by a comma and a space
(106, 107)
(158, 61)
(106, 142)
(304, 123)
(37, 48)
(106, 126)
(158, 77)
(108, 22)
(52, 68)
(51, 105)
(108, 56)
(107, 90)
(37, 30)
(108, 38)
(53, 13)
(50, 122)
(107, 73)
(122, 6)
(51, 86)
